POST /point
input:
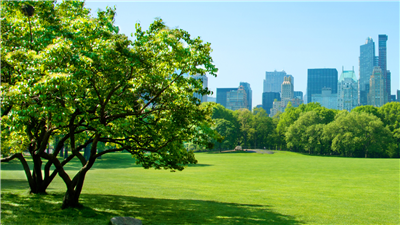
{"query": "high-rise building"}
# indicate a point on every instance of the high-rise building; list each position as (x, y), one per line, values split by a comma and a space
(321, 78)
(347, 96)
(273, 81)
(398, 95)
(382, 63)
(221, 95)
(237, 99)
(287, 96)
(377, 95)
(298, 94)
(287, 91)
(327, 99)
(249, 94)
(204, 80)
(388, 78)
(287, 88)
(211, 99)
(268, 100)
(367, 61)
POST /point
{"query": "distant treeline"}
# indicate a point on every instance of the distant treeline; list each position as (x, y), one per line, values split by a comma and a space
(366, 131)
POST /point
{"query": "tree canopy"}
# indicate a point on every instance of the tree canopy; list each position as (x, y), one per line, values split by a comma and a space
(71, 76)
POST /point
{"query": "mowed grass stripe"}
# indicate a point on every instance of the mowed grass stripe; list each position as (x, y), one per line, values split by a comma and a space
(245, 187)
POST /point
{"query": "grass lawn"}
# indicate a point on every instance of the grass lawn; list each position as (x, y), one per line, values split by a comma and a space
(227, 188)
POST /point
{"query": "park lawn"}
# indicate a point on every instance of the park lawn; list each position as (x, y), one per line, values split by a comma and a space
(223, 188)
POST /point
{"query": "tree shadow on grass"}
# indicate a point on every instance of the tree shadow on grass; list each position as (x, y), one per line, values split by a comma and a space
(99, 209)
(12, 184)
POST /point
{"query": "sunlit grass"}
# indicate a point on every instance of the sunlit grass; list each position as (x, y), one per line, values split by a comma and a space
(244, 188)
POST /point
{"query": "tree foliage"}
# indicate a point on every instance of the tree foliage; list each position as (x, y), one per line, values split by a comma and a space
(358, 134)
(72, 76)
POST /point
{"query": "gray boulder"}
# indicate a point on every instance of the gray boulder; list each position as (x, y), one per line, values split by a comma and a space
(238, 148)
(119, 220)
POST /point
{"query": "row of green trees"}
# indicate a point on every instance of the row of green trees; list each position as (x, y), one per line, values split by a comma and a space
(242, 127)
(366, 131)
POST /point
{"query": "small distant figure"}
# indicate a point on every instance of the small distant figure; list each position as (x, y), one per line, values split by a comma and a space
(264, 147)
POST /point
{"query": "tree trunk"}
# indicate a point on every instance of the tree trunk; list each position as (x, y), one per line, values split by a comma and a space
(74, 188)
(70, 200)
(71, 197)
(37, 176)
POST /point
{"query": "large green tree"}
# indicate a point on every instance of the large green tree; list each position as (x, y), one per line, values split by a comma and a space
(305, 133)
(264, 129)
(71, 76)
(359, 134)
(227, 125)
(247, 130)
(390, 116)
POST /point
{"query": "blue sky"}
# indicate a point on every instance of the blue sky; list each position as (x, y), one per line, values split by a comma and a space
(250, 38)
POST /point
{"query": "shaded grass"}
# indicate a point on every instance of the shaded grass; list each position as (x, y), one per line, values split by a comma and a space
(281, 188)
(46, 210)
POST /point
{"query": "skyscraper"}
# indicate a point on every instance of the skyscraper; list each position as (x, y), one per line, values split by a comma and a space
(287, 91)
(367, 61)
(347, 90)
(268, 100)
(204, 80)
(382, 62)
(327, 99)
(273, 81)
(287, 96)
(237, 99)
(377, 95)
(211, 99)
(221, 95)
(249, 93)
(321, 78)
(298, 94)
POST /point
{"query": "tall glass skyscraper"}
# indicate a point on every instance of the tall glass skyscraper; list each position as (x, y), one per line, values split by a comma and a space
(382, 62)
(221, 95)
(377, 95)
(237, 99)
(249, 94)
(274, 80)
(298, 94)
(367, 61)
(268, 100)
(204, 80)
(347, 96)
(321, 78)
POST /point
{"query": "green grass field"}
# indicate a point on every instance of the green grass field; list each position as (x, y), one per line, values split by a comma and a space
(228, 188)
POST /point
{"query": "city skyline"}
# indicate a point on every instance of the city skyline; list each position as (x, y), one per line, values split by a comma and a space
(251, 38)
